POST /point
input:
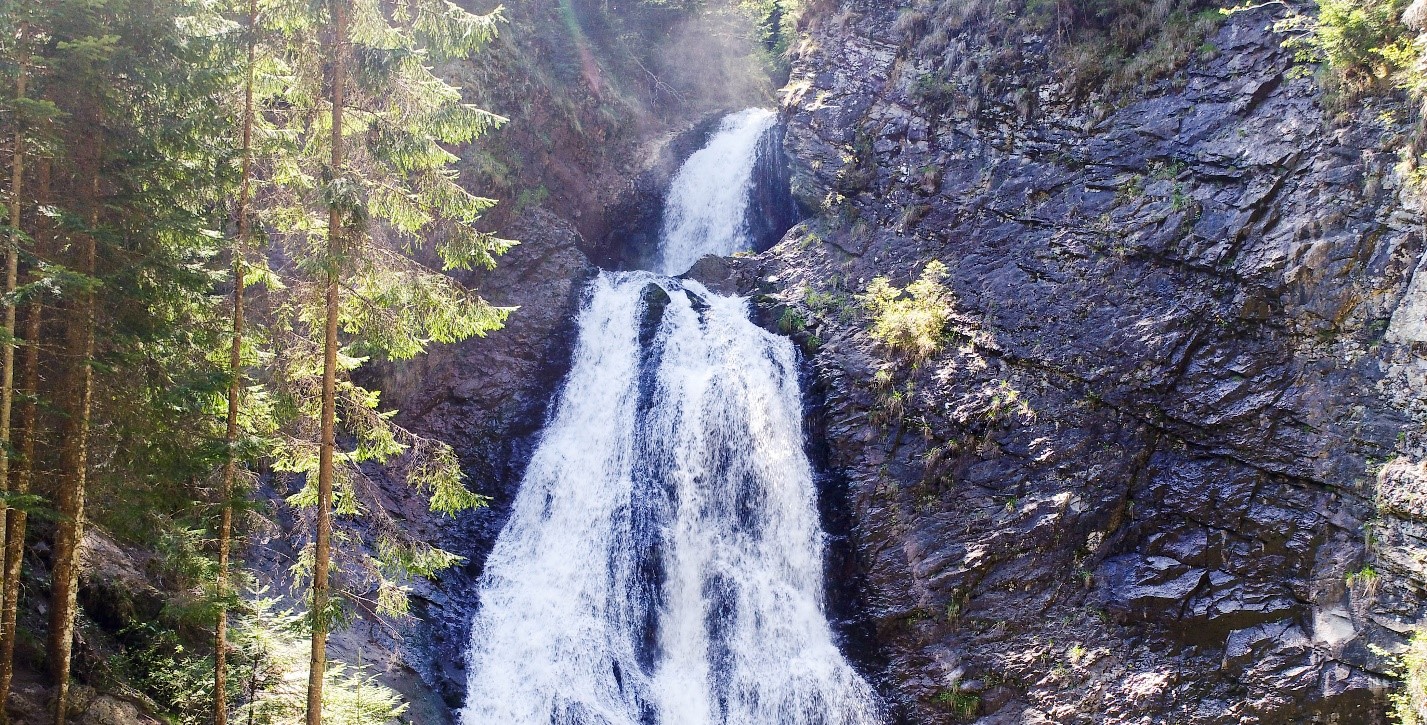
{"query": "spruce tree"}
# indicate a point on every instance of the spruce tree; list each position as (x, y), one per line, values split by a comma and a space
(235, 363)
(74, 450)
(12, 278)
(371, 157)
(138, 175)
(24, 112)
(336, 54)
(128, 113)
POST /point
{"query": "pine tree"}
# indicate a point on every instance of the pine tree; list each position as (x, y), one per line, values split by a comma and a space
(389, 198)
(235, 362)
(12, 278)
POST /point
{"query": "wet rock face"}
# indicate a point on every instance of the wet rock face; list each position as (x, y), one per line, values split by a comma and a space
(1137, 484)
(772, 208)
(634, 218)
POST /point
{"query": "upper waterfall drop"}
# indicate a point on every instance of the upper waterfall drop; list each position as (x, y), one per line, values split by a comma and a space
(706, 211)
(663, 561)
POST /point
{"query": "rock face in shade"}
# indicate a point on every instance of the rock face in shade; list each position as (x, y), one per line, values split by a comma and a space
(1185, 381)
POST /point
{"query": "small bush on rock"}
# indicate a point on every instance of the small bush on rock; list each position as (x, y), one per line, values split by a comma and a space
(910, 322)
(1409, 703)
(1363, 45)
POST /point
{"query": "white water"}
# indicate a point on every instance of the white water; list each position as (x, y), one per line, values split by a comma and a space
(704, 211)
(663, 563)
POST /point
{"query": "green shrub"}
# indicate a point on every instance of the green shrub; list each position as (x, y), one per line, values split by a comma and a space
(910, 322)
(1363, 45)
(832, 305)
(270, 673)
(1409, 703)
(791, 322)
(1363, 39)
(156, 661)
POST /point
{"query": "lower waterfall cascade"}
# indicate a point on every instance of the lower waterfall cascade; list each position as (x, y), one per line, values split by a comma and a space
(663, 561)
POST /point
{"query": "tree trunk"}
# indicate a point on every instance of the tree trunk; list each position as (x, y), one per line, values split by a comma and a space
(15, 517)
(12, 274)
(322, 549)
(235, 363)
(74, 463)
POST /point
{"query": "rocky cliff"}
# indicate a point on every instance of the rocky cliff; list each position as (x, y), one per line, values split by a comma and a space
(1169, 467)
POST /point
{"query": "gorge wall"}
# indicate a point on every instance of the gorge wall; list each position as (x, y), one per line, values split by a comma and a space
(1169, 468)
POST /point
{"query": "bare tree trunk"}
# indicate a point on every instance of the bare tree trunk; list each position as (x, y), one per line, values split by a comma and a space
(235, 363)
(15, 517)
(74, 463)
(12, 275)
(322, 549)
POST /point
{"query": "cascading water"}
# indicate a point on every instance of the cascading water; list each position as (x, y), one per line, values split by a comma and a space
(663, 563)
(706, 209)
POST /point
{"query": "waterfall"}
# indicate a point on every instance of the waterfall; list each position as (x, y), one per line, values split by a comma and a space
(706, 209)
(662, 563)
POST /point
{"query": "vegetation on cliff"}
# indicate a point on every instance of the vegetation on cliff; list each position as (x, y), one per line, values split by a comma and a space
(912, 321)
(1108, 46)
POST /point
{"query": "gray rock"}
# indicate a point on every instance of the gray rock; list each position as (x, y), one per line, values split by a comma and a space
(1172, 385)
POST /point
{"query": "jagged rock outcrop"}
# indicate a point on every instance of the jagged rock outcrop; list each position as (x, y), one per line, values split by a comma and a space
(120, 585)
(1144, 480)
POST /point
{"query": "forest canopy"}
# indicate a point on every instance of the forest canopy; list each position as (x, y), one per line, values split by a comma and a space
(217, 211)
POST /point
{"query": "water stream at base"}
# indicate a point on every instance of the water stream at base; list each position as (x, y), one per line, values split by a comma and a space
(663, 561)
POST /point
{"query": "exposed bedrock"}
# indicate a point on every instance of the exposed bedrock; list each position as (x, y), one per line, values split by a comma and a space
(488, 397)
(1168, 466)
